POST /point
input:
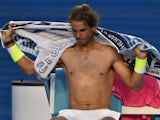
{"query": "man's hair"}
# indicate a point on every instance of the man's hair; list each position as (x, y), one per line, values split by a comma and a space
(84, 13)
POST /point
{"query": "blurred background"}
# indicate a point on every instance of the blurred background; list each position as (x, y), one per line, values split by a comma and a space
(136, 17)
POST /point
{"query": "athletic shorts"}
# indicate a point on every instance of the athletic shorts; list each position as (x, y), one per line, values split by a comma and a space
(98, 114)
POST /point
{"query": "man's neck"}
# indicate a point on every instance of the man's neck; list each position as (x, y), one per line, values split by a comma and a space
(87, 47)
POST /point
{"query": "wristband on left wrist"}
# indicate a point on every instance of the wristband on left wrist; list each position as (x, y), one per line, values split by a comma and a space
(140, 65)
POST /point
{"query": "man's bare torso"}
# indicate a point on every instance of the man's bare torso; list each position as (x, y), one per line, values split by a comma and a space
(90, 76)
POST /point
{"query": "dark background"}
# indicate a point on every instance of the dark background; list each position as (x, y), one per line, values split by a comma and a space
(137, 17)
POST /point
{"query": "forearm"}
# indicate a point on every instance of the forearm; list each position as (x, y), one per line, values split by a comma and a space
(26, 64)
(139, 68)
(130, 77)
(136, 81)
(138, 73)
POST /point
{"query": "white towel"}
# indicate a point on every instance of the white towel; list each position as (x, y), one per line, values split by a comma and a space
(48, 40)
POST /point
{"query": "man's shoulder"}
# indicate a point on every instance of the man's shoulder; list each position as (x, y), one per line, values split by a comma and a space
(108, 47)
(70, 49)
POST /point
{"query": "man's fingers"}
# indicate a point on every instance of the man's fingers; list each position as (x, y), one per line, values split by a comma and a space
(3, 32)
(10, 26)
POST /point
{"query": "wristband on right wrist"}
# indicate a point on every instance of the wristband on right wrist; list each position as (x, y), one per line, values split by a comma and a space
(8, 42)
(140, 65)
(15, 52)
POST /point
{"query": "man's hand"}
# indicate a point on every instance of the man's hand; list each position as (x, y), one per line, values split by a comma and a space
(8, 34)
(141, 54)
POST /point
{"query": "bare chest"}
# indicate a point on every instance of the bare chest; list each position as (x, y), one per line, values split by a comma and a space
(90, 64)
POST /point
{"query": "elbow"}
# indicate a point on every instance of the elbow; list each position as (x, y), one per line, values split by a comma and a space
(136, 83)
(136, 87)
(29, 71)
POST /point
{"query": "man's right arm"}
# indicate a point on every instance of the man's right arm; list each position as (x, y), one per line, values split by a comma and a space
(26, 64)
(132, 78)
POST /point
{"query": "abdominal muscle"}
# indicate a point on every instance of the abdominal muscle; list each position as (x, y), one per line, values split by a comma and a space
(89, 93)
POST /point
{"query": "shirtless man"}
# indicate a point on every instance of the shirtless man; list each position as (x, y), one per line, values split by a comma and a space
(89, 67)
